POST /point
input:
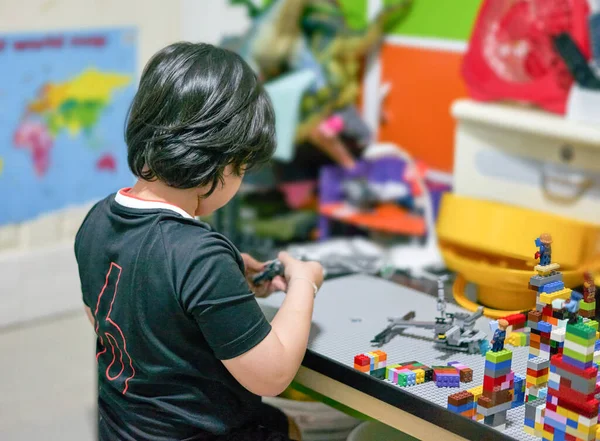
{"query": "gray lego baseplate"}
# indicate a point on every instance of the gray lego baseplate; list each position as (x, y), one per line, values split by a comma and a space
(350, 311)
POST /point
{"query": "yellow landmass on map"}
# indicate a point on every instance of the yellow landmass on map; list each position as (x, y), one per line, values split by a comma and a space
(90, 85)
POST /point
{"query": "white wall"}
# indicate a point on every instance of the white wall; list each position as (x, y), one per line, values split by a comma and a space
(38, 273)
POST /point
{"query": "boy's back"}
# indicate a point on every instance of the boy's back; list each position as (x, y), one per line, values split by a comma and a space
(159, 284)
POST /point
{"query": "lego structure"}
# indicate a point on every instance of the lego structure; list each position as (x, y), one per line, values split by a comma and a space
(453, 331)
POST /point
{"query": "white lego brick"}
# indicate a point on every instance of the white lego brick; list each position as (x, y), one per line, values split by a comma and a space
(580, 349)
(587, 422)
(558, 334)
(553, 376)
(557, 303)
(563, 323)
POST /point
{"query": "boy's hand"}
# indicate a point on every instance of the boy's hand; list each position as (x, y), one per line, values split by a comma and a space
(313, 271)
(253, 267)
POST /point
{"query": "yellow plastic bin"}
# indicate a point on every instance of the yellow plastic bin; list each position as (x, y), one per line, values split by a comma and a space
(491, 246)
(374, 431)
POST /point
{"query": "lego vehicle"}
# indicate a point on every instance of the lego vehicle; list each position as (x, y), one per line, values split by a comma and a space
(454, 331)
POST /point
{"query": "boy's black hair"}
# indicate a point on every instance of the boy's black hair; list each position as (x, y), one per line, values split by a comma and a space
(198, 109)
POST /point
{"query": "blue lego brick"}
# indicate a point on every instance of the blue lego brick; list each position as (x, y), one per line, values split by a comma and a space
(459, 409)
(553, 385)
(498, 366)
(559, 435)
(597, 345)
(543, 393)
(558, 426)
(572, 423)
(529, 423)
(545, 327)
(552, 287)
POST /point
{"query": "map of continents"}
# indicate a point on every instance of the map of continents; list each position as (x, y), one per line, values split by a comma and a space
(73, 106)
(63, 105)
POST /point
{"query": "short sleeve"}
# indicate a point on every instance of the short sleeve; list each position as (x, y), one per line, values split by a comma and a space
(215, 292)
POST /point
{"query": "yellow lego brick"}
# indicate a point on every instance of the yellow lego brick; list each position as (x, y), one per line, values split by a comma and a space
(582, 428)
(546, 435)
(562, 411)
(476, 391)
(420, 375)
(546, 269)
(374, 355)
(548, 298)
(529, 430)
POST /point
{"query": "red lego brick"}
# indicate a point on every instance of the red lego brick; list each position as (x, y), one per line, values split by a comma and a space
(576, 402)
(547, 311)
(537, 374)
(565, 382)
(548, 428)
(489, 382)
(591, 372)
(516, 319)
(362, 360)
(551, 406)
(569, 437)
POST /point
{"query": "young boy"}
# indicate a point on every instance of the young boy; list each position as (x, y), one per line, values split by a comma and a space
(184, 351)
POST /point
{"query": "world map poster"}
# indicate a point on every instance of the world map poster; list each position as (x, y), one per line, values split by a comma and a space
(64, 98)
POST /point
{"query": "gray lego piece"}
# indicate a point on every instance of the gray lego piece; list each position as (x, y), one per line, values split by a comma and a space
(538, 363)
(583, 385)
(338, 335)
(539, 306)
(498, 372)
(494, 410)
(538, 280)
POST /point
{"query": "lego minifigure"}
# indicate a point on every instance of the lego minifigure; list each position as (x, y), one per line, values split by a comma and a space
(589, 288)
(572, 306)
(544, 243)
(499, 336)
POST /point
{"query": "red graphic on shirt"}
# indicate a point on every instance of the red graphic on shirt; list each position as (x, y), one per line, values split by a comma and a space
(120, 368)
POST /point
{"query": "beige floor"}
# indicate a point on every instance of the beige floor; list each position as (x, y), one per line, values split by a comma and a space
(47, 381)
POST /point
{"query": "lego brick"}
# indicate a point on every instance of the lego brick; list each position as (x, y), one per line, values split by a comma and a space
(552, 286)
(544, 270)
(548, 298)
(538, 280)
(544, 327)
(537, 373)
(460, 398)
(534, 316)
(568, 351)
(559, 362)
(592, 323)
(581, 330)
(379, 373)
(538, 363)
(492, 410)
(558, 334)
(580, 349)
(498, 357)
(587, 307)
(579, 340)
(362, 360)
(577, 363)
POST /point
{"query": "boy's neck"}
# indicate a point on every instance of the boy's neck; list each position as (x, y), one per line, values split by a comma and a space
(187, 200)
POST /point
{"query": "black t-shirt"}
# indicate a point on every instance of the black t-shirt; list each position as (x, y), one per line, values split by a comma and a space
(170, 300)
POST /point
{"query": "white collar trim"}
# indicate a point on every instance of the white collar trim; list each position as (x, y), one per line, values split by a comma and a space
(125, 200)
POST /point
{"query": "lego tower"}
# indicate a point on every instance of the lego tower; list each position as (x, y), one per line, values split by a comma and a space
(548, 321)
(571, 406)
(498, 388)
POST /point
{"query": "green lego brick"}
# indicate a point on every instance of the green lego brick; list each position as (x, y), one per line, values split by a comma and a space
(581, 330)
(498, 357)
(593, 324)
(577, 356)
(402, 379)
(579, 340)
(588, 307)
(380, 373)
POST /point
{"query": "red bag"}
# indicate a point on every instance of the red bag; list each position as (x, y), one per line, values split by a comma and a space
(511, 55)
